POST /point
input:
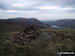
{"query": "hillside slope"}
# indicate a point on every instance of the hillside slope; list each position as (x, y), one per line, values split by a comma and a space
(37, 42)
(15, 24)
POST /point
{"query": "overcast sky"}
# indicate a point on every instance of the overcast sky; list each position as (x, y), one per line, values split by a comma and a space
(41, 9)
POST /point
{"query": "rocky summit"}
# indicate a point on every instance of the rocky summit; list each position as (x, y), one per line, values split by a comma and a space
(26, 36)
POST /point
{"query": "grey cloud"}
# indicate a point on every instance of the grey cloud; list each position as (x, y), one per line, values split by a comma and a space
(7, 5)
(2, 6)
(62, 3)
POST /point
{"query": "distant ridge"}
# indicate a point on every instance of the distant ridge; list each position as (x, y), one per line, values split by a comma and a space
(65, 23)
(17, 24)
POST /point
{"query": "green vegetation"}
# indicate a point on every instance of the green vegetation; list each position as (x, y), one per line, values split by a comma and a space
(47, 43)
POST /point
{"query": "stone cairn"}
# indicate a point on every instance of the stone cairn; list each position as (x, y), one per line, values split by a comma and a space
(30, 33)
